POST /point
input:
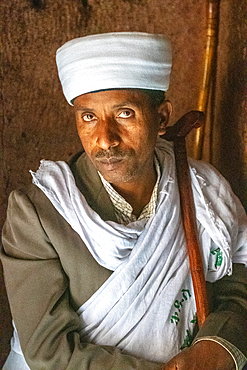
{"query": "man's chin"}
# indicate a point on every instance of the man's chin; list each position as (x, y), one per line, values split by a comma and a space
(117, 177)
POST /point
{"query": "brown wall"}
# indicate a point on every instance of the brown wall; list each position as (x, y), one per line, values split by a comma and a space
(38, 123)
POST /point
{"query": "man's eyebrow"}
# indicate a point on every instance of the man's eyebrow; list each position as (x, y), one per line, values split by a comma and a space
(126, 103)
(119, 105)
(83, 108)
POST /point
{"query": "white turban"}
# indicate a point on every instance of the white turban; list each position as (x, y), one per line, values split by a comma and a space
(114, 61)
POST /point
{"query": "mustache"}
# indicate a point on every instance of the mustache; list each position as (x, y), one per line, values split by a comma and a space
(112, 153)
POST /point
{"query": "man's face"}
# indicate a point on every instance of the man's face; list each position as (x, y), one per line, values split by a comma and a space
(118, 130)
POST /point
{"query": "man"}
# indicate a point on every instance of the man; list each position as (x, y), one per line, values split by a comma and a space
(94, 256)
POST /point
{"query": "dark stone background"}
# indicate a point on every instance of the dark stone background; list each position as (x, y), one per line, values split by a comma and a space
(36, 121)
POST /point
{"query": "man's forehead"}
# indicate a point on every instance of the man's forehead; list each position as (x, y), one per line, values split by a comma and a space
(112, 97)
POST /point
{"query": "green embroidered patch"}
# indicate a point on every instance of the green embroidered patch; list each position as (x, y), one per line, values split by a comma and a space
(189, 336)
(188, 340)
(219, 257)
(178, 304)
(194, 320)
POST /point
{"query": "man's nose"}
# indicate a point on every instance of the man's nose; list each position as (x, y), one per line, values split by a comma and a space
(107, 135)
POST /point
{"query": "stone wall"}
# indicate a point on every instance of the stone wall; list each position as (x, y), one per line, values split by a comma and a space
(37, 122)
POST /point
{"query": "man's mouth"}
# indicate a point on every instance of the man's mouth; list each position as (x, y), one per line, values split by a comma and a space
(109, 164)
(110, 160)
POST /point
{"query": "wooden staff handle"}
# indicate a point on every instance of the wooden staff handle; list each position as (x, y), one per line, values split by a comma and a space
(177, 134)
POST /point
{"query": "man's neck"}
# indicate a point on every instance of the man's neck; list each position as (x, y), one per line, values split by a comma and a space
(138, 193)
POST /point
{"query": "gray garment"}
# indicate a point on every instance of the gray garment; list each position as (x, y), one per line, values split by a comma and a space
(45, 258)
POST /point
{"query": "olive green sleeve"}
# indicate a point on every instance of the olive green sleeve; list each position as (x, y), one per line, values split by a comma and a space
(39, 297)
(228, 319)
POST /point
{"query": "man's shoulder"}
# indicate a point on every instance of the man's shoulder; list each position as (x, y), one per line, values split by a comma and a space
(209, 177)
(27, 196)
(217, 191)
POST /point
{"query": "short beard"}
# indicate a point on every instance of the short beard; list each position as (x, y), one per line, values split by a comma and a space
(116, 153)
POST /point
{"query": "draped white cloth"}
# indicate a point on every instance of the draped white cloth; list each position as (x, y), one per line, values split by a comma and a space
(147, 306)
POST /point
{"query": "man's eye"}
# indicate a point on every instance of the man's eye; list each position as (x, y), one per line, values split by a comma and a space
(88, 117)
(126, 113)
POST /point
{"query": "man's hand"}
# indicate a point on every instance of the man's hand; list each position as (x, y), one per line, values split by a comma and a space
(204, 355)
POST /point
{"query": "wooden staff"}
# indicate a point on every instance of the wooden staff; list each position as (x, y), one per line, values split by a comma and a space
(177, 133)
(210, 56)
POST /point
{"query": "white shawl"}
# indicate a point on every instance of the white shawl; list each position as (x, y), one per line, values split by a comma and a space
(147, 306)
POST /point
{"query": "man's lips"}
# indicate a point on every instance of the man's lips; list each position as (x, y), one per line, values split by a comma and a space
(110, 160)
(109, 163)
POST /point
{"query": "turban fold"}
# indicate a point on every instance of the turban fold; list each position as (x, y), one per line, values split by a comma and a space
(114, 61)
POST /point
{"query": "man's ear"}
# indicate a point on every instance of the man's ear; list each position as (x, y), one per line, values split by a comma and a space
(164, 111)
